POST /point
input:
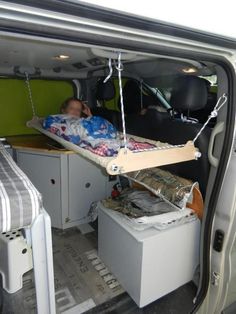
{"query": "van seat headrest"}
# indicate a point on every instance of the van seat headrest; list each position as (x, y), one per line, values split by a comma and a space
(105, 91)
(189, 93)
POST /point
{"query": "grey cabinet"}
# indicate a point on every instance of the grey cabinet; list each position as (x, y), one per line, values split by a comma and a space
(89, 180)
(68, 183)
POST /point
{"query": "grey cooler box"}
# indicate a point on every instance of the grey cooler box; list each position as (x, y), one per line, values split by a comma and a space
(151, 263)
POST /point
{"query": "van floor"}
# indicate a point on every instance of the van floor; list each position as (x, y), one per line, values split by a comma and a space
(81, 288)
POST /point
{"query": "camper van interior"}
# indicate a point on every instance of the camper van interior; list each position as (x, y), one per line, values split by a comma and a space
(126, 210)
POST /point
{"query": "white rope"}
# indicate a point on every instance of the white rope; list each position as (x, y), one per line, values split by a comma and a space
(141, 93)
(213, 114)
(119, 68)
(27, 81)
(110, 71)
(157, 148)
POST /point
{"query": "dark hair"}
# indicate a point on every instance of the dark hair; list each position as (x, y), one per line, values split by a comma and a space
(66, 103)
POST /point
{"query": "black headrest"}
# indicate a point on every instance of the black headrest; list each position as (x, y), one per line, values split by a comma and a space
(189, 93)
(111, 115)
(105, 91)
(131, 96)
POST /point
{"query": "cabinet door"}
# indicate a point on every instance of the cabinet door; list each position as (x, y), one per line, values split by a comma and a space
(44, 172)
(87, 184)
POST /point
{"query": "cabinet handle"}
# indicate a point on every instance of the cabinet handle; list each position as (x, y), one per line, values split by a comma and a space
(53, 181)
(87, 185)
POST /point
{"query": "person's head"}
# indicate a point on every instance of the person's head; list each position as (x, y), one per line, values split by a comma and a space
(72, 106)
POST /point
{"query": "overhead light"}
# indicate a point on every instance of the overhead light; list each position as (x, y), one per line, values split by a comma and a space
(189, 70)
(61, 57)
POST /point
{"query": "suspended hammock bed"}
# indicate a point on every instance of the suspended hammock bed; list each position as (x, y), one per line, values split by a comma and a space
(126, 160)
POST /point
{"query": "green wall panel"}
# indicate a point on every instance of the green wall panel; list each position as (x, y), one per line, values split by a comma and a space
(15, 108)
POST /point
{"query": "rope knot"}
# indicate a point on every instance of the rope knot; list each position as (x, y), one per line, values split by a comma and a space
(120, 67)
(214, 114)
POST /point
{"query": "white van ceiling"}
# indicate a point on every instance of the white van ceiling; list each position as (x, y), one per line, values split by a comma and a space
(59, 59)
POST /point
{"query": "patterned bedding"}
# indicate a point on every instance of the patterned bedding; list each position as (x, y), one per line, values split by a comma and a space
(93, 133)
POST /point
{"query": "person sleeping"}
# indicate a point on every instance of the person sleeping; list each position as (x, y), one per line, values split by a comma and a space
(75, 108)
(76, 124)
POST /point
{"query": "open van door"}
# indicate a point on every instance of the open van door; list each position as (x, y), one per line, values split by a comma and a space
(221, 295)
(76, 23)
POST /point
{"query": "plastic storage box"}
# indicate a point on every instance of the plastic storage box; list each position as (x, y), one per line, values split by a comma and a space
(148, 264)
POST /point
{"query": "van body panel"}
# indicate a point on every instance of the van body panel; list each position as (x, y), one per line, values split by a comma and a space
(153, 38)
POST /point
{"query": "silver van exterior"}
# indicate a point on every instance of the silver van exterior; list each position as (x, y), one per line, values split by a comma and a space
(75, 22)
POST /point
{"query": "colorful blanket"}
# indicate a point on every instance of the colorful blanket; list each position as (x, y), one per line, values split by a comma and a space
(111, 148)
(93, 133)
(75, 130)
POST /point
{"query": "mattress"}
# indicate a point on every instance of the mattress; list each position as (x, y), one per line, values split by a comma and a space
(20, 202)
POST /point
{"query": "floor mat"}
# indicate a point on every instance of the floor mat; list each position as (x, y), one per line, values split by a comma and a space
(83, 284)
(179, 301)
(82, 281)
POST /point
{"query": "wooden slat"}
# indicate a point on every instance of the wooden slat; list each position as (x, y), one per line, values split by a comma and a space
(128, 161)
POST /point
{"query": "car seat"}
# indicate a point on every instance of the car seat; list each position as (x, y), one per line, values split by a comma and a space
(106, 91)
(132, 98)
(189, 94)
